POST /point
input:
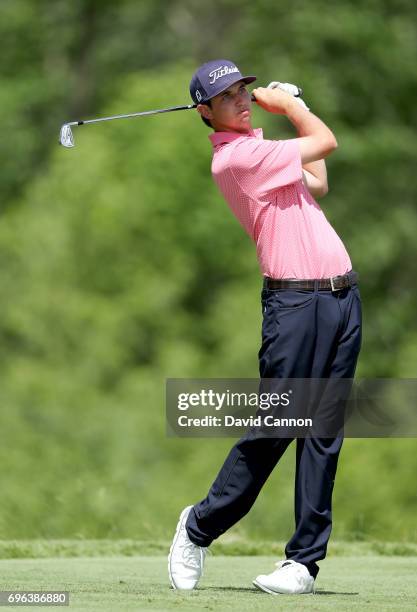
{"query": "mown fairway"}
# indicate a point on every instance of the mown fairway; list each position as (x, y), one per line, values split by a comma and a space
(141, 583)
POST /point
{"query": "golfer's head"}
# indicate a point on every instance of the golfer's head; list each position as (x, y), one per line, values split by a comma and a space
(221, 95)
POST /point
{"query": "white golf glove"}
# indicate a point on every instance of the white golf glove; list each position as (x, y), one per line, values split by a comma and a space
(290, 89)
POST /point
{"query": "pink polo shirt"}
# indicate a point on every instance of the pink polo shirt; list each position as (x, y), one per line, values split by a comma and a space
(261, 181)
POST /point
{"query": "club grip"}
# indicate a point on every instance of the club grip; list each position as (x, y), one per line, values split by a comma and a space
(298, 95)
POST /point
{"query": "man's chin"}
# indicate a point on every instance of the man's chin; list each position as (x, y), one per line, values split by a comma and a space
(246, 125)
(242, 125)
(244, 118)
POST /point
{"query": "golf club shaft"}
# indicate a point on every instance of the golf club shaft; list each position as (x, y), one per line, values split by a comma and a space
(67, 140)
(142, 114)
(128, 116)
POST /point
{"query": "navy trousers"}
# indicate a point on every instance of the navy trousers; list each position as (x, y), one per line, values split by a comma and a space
(305, 334)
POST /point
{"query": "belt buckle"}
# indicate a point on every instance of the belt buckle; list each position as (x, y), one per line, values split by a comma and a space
(332, 285)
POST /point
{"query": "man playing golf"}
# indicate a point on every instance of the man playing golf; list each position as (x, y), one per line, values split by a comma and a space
(311, 316)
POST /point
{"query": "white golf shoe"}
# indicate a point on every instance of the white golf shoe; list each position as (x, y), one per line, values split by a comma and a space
(185, 559)
(290, 578)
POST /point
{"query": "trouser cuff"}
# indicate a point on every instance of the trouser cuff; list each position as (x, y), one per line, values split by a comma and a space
(194, 533)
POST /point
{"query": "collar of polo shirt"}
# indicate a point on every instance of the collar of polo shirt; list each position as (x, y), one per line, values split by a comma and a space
(218, 138)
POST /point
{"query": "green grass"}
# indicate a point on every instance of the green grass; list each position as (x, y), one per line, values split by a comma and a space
(373, 582)
(229, 545)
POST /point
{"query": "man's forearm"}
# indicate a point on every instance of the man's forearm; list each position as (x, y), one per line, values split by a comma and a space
(317, 141)
(306, 123)
(317, 169)
(317, 183)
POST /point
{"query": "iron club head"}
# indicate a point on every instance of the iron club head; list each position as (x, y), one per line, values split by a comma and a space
(65, 136)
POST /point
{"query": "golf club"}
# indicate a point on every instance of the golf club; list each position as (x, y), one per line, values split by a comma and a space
(66, 137)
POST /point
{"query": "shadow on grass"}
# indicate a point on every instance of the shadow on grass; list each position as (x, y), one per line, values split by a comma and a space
(258, 592)
(228, 588)
(320, 592)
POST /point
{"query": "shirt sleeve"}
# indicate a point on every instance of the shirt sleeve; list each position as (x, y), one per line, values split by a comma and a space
(263, 166)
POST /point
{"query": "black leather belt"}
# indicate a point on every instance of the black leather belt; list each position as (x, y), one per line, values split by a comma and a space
(335, 283)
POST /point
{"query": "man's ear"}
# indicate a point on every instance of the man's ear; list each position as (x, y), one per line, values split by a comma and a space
(205, 111)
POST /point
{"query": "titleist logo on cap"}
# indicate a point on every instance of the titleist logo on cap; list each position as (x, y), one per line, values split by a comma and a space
(221, 71)
(214, 77)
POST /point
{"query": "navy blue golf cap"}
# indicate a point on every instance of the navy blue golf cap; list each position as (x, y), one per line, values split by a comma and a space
(214, 77)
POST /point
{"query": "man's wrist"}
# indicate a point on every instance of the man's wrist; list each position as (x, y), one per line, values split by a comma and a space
(294, 111)
(293, 107)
